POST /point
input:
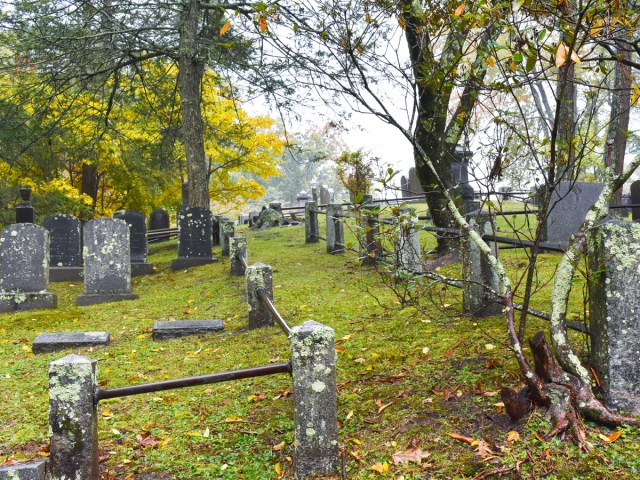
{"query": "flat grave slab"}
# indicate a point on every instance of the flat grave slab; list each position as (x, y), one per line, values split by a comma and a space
(163, 329)
(24, 471)
(52, 342)
(66, 274)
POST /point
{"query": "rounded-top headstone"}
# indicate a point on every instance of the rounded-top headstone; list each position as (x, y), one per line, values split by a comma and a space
(159, 219)
(137, 223)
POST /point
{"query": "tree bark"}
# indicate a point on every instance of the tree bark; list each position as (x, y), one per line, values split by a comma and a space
(618, 130)
(89, 184)
(191, 68)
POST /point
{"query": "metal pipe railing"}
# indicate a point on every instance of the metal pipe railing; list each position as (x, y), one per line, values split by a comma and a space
(266, 301)
(192, 381)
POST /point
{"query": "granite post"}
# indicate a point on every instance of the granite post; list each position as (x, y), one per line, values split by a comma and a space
(73, 419)
(311, 230)
(370, 246)
(407, 240)
(614, 312)
(480, 278)
(313, 365)
(335, 229)
(259, 275)
(227, 231)
(237, 253)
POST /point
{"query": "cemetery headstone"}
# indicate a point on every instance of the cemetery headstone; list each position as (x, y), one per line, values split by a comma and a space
(107, 264)
(65, 247)
(159, 220)
(404, 187)
(24, 268)
(227, 231)
(460, 165)
(194, 238)
(34, 470)
(25, 213)
(163, 330)
(614, 306)
(325, 197)
(215, 229)
(137, 223)
(635, 200)
(569, 205)
(415, 187)
(314, 194)
(52, 342)
(302, 197)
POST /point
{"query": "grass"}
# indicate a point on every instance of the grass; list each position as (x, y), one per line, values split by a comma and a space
(435, 372)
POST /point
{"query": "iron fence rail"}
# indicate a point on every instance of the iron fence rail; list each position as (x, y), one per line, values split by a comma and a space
(193, 381)
(266, 301)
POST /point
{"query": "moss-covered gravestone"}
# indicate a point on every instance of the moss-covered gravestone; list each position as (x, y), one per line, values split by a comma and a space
(24, 268)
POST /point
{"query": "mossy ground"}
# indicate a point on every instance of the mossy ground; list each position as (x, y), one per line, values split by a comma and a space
(406, 377)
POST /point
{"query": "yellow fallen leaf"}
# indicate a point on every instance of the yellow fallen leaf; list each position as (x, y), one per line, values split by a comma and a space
(459, 10)
(513, 436)
(234, 419)
(278, 447)
(349, 415)
(225, 27)
(380, 467)
(489, 346)
(206, 433)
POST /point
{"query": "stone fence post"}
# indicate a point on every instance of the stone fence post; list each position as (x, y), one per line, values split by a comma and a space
(311, 230)
(73, 419)
(238, 248)
(480, 279)
(407, 240)
(227, 230)
(614, 312)
(259, 275)
(335, 229)
(370, 246)
(313, 363)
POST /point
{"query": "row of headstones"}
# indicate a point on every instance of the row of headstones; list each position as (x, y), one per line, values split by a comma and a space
(24, 265)
(614, 302)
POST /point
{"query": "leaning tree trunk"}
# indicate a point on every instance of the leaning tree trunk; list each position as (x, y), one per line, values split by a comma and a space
(191, 68)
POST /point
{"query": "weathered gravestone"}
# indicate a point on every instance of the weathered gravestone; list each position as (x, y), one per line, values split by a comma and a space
(404, 187)
(54, 341)
(194, 238)
(185, 194)
(415, 188)
(215, 229)
(65, 247)
(25, 213)
(325, 198)
(137, 223)
(24, 268)
(614, 312)
(159, 220)
(34, 470)
(568, 207)
(107, 262)
(635, 200)
(164, 329)
(460, 165)
(269, 217)
(227, 230)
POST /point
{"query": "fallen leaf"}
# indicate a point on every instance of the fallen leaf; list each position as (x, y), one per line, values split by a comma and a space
(490, 394)
(484, 451)
(489, 346)
(257, 397)
(425, 350)
(206, 433)
(225, 27)
(513, 436)
(349, 415)
(278, 447)
(610, 438)
(380, 467)
(382, 407)
(459, 10)
(234, 419)
(539, 437)
(462, 438)
(415, 456)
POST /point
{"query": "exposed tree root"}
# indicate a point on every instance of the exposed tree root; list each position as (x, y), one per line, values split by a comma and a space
(565, 396)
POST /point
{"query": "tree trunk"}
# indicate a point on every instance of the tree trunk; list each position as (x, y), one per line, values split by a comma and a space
(89, 184)
(191, 68)
(618, 130)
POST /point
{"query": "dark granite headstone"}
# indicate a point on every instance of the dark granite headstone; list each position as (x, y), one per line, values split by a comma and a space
(194, 238)
(34, 470)
(460, 165)
(635, 200)
(24, 268)
(25, 212)
(107, 262)
(137, 223)
(65, 247)
(52, 342)
(569, 206)
(159, 220)
(215, 229)
(163, 330)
